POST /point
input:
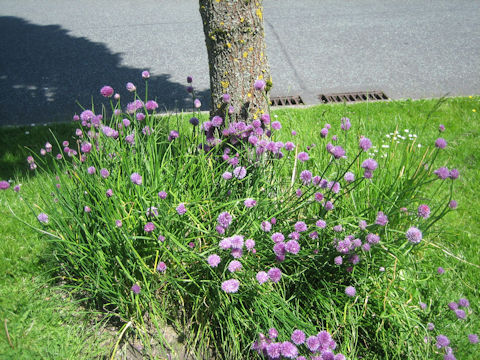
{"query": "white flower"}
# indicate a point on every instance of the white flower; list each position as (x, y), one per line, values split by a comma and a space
(406, 130)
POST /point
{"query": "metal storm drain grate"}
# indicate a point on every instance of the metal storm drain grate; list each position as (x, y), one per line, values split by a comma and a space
(353, 97)
(286, 100)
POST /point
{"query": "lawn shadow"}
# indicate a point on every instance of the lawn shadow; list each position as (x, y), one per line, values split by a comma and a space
(45, 74)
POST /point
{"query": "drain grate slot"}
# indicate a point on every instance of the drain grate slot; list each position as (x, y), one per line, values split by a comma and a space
(286, 101)
(353, 97)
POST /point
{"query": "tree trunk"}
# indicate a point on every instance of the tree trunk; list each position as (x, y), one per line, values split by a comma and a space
(234, 35)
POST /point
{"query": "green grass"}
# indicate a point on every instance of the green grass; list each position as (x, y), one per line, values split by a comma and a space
(44, 321)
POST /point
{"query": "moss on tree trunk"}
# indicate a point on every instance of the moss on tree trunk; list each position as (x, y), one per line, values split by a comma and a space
(234, 35)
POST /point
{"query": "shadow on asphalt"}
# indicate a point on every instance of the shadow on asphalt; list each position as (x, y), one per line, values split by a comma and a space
(44, 72)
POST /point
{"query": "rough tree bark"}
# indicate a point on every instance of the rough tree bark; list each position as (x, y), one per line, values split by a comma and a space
(234, 35)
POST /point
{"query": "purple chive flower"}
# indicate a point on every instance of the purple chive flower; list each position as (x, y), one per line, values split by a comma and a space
(136, 289)
(338, 228)
(430, 326)
(313, 343)
(473, 338)
(140, 116)
(303, 156)
(275, 274)
(298, 337)
(442, 341)
(289, 146)
(423, 211)
(321, 224)
(338, 152)
(151, 105)
(279, 249)
(230, 286)
(300, 226)
(440, 270)
(136, 178)
(149, 227)
(292, 246)
(217, 121)
(338, 260)
(109, 193)
(16, 188)
(262, 277)
(259, 85)
(463, 302)
(224, 219)
(162, 195)
(274, 350)
(161, 267)
(273, 221)
(452, 305)
(452, 204)
(104, 173)
(106, 91)
(306, 177)
(365, 144)
(414, 235)
(324, 132)
(225, 244)
(441, 128)
(250, 202)
(91, 170)
(249, 244)
(145, 74)
(4, 185)
(345, 124)
(441, 143)
(194, 121)
(298, 192)
(289, 350)
(350, 291)
(234, 265)
(442, 173)
(370, 164)
(213, 260)
(382, 219)
(237, 242)
(189, 79)
(226, 98)
(349, 177)
(130, 87)
(272, 333)
(239, 172)
(227, 175)
(453, 174)
(118, 223)
(278, 237)
(449, 356)
(328, 206)
(43, 218)
(161, 238)
(423, 306)
(86, 148)
(276, 125)
(460, 314)
(181, 209)
(266, 226)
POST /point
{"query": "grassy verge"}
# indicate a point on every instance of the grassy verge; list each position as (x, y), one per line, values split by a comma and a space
(44, 321)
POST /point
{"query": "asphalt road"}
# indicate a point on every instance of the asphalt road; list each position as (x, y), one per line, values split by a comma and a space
(57, 52)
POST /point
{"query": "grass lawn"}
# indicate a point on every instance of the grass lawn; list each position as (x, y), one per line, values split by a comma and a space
(45, 321)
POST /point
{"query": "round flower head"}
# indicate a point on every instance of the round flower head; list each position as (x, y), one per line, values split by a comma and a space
(453, 174)
(441, 128)
(289, 350)
(162, 195)
(382, 219)
(298, 337)
(250, 202)
(275, 274)
(463, 302)
(239, 172)
(441, 143)
(234, 265)
(236, 241)
(109, 193)
(449, 356)
(321, 224)
(4, 185)
(136, 288)
(338, 152)
(274, 350)
(442, 173)
(278, 237)
(91, 170)
(452, 305)
(473, 338)
(145, 74)
(338, 260)
(266, 226)
(161, 267)
(16, 188)
(430, 326)
(442, 341)
(345, 124)
(303, 156)
(249, 244)
(43, 218)
(189, 79)
(369, 164)
(104, 173)
(440, 270)
(289, 146)
(136, 178)
(414, 235)
(300, 226)
(181, 209)
(230, 286)
(324, 132)
(106, 91)
(349, 177)
(292, 246)
(217, 121)
(118, 223)
(227, 175)
(259, 84)
(194, 121)
(149, 227)
(213, 260)
(151, 105)
(262, 277)
(460, 314)
(423, 211)
(365, 144)
(276, 125)
(224, 219)
(306, 177)
(350, 291)
(313, 343)
(452, 204)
